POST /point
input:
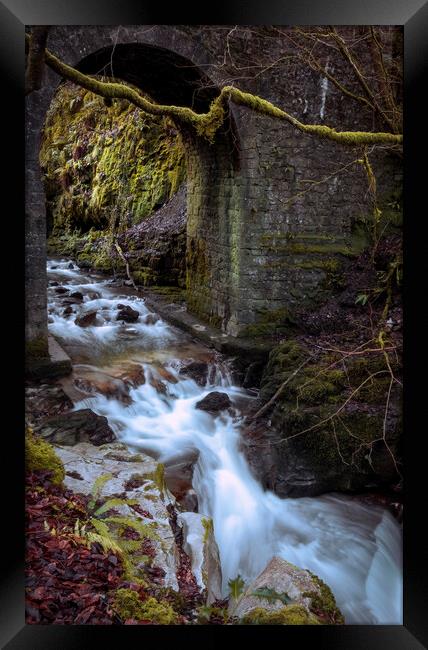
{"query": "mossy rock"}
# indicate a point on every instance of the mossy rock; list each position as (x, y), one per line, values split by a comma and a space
(314, 450)
(40, 456)
(323, 605)
(288, 615)
(128, 604)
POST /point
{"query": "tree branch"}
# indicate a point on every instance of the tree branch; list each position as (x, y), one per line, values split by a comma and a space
(207, 124)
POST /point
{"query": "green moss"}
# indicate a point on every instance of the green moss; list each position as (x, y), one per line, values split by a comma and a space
(37, 348)
(40, 455)
(176, 293)
(158, 478)
(268, 322)
(106, 166)
(288, 615)
(324, 605)
(208, 525)
(129, 605)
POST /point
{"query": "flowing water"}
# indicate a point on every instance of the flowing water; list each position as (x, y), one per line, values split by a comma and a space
(354, 547)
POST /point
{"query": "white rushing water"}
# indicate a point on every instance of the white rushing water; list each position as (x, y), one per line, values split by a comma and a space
(354, 547)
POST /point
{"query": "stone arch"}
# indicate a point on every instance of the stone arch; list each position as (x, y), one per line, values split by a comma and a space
(168, 77)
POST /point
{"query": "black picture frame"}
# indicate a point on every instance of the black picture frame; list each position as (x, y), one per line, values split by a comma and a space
(413, 15)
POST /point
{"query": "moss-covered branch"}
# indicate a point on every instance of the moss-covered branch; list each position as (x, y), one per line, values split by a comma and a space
(207, 124)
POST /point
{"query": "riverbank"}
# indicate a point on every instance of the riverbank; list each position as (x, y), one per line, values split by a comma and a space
(146, 379)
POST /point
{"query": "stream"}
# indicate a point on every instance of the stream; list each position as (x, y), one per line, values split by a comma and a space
(354, 547)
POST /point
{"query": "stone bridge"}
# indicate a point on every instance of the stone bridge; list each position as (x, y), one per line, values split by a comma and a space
(270, 210)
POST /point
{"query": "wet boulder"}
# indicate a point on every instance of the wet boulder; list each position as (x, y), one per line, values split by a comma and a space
(87, 318)
(133, 374)
(214, 402)
(61, 290)
(43, 400)
(76, 426)
(127, 314)
(158, 385)
(196, 370)
(67, 311)
(77, 296)
(178, 477)
(166, 374)
(53, 283)
(151, 319)
(94, 295)
(284, 594)
(136, 477)
(99, 382)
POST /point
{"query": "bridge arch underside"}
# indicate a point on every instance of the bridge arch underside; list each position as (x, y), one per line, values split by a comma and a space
(213, 178)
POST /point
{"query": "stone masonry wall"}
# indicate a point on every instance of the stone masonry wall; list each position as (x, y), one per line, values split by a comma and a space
(271, 211)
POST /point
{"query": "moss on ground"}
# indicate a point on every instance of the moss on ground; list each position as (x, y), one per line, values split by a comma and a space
(129, 605)
(288, 615)
(40, 456)
(323, 604)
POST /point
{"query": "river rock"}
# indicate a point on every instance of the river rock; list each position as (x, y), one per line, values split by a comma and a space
(200, 545)
(71, 266)
(214, 402)
(196, 370)
(133, 477)
(178, 477)
(133, 374)
(151, 319)
(67, 311)
(167, 375)
(53, 283)
(307, 592)
(62, 290)
(87, 318)
(76, 426)
(127, 314)
(326, 459)
(95, 295)
(77, 295)
(44, 400)
(158, 385)
(99, 382)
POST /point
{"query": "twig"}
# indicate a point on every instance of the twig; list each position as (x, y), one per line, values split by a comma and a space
(125, 261)
(330, 417)
(264, 408)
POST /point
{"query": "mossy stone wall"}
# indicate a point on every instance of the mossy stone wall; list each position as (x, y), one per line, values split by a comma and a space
(106, 167)
(262, 179)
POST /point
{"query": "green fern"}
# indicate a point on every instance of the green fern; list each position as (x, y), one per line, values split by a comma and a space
(97, 489)
(110, 529)
(144, 530)
(100, 526)
(271, 594)
(113, 503)
(108, 543)
(236, 586)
